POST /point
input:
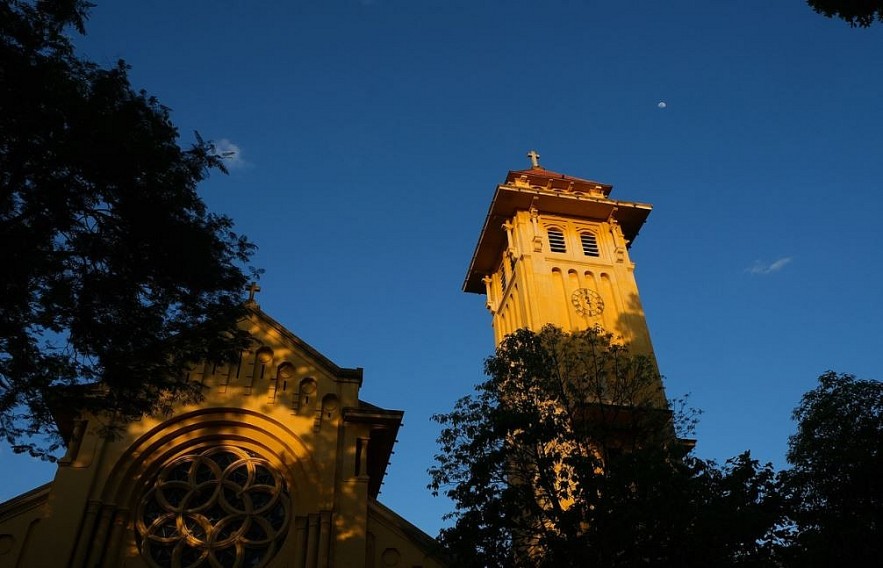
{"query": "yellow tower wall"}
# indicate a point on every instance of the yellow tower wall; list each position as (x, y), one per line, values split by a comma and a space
(534, 286)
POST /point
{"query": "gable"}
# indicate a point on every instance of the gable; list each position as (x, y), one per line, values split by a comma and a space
(282, 422)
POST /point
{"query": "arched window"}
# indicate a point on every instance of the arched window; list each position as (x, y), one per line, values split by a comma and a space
(306, 396)
(590, 244)
(556, 240)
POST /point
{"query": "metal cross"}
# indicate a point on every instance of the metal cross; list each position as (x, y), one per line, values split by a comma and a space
(534, 158)
(253, 289)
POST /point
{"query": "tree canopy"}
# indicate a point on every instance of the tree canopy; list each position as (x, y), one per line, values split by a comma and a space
(114, 271)
(568, 456)
(857, 13)
(835, 484)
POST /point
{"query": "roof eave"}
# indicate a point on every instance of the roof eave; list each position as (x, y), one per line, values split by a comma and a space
(385, 430)
(508, 199)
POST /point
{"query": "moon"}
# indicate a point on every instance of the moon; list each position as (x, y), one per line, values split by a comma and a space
(662, 104)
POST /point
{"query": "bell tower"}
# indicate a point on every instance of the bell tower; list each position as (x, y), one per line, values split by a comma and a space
(554, 249)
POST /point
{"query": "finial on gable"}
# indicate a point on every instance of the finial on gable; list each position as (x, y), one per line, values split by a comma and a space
(253, 289)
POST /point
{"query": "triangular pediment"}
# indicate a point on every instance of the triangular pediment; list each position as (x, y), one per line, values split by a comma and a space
(279, 365)
(281, 422)
(270, 333)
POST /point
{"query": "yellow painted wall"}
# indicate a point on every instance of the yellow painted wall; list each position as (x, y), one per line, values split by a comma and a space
(540, 284)
(273, 432)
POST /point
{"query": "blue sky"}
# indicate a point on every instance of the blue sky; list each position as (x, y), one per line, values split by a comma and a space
(369, 137)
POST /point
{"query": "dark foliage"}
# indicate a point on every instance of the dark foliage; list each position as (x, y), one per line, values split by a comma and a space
(567, 456)
(835, 484)
(114, 272)
(857, 13)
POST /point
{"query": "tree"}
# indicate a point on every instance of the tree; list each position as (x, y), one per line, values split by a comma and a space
(567, 456)
(857, 13)
(115, 275)
(835, 484)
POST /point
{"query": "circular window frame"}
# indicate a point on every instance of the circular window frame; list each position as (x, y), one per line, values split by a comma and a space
(219, 506)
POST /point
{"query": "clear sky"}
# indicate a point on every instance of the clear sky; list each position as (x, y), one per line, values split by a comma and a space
(370, 136)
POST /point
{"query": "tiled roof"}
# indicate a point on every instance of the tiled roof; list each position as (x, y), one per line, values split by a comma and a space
(542, 177)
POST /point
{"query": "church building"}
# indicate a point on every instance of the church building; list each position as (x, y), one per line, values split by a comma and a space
(280, 466)
(554, 250)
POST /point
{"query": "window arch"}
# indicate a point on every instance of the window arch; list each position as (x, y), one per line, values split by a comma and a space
(221, 506)
(306, 396)
(589, 243)
(556, 240)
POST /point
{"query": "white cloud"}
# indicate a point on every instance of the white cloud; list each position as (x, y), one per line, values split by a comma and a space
(761, 267)
(231, 154)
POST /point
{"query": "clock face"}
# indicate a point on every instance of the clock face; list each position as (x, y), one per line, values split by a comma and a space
(587, 302)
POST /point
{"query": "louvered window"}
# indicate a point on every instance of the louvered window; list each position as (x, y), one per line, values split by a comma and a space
(556, 240)
(590, 244)
(503, 278)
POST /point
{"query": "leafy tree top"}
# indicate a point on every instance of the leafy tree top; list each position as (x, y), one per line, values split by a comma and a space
(114, 270)
(857, 13)
(567, 456)
(835, 484)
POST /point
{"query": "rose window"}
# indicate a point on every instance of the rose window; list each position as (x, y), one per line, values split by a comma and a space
(222, 507)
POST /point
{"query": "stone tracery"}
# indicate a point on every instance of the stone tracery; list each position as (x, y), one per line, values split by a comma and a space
(223, 506)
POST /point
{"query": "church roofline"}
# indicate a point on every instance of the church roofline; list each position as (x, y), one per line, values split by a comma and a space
(518, 193)
(339, 372)
(64, 415)
(541, 177)
(19, 504)
(431, 547)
